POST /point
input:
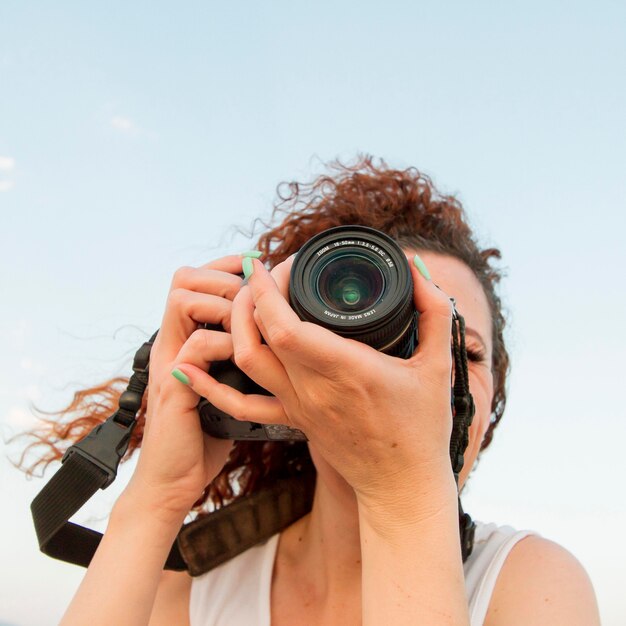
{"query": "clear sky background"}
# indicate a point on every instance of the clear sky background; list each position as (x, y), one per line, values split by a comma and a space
(133, 136)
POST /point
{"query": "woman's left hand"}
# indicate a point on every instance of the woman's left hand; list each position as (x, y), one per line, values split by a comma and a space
(382, 422)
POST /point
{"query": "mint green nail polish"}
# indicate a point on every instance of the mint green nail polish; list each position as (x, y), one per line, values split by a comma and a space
(254, 254)
(247, 266)
(423, 270)
(178, 375)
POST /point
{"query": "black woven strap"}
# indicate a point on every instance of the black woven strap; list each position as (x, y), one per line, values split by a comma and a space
(213, 539)
(463, 410)
(89, 465)
(72, 485)
(462, 402)
(75, 482)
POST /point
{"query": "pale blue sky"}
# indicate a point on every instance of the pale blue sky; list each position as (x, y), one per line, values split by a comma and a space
(133, 135)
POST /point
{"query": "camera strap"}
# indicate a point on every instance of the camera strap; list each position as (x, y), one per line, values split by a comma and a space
(87, 466)
(212, 539)
(463, 410)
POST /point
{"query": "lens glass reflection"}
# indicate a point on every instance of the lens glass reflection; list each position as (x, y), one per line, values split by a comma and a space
(350, 282)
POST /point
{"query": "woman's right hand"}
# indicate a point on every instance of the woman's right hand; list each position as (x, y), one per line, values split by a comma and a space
(177, 459)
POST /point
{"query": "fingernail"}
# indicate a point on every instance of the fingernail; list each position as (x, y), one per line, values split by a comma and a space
(254, 254)
(423, 270)
(247, 266)
(178, 375)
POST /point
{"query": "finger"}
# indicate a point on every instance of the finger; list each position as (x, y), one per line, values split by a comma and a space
(205, 347)
(281, 275)
(230, 263)
(435, 318)
(270, 303)
(209, 281)
(252, 356)
(184, 311)
(288, 337)
(241, 406)
(201, 349)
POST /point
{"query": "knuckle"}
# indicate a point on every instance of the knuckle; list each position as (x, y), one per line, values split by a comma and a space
(224, 284)
(239, 412)
(283, 337)
(199, 340)
(222, 308)
(176, 298)
(182, 276)
(232, 287)
(244, 358)
(262, 291)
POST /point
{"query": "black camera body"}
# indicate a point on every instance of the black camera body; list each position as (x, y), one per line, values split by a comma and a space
(353, 280)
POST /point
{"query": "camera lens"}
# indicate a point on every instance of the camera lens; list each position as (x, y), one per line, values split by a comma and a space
(350, 282)
(355, 281)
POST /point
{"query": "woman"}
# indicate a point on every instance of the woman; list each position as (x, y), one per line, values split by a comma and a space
(381, 543)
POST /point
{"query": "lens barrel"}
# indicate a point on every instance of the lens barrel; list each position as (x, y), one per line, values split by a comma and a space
(355, 281)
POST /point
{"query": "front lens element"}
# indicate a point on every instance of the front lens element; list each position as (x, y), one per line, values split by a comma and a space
(350, 282)
(356, 281)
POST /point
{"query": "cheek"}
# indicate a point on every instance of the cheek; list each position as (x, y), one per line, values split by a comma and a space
(481, 386)
(482, 395)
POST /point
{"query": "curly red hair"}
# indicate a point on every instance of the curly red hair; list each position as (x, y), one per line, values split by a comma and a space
(402, 203)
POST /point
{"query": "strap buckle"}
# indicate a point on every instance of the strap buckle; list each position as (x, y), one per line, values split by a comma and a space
(104, 446)
(141, 362)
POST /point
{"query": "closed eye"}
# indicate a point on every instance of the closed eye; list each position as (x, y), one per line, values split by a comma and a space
(475, 355)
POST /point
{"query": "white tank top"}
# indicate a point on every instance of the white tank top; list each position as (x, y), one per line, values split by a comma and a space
(237, 593)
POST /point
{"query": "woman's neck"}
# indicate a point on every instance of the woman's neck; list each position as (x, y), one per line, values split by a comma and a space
(322, 551)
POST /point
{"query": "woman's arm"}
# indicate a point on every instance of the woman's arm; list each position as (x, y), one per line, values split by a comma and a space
(412, 572)
(177, 459)
(122, 580)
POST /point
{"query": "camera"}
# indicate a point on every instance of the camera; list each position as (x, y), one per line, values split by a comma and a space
(352, 280)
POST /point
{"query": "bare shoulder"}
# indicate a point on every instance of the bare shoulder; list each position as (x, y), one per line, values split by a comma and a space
(542, 583)
(171, 605)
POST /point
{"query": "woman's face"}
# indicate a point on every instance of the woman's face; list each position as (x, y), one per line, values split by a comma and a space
(458, 281)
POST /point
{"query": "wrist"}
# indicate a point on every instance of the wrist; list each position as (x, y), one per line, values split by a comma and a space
(411, 502)
(135, 505)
